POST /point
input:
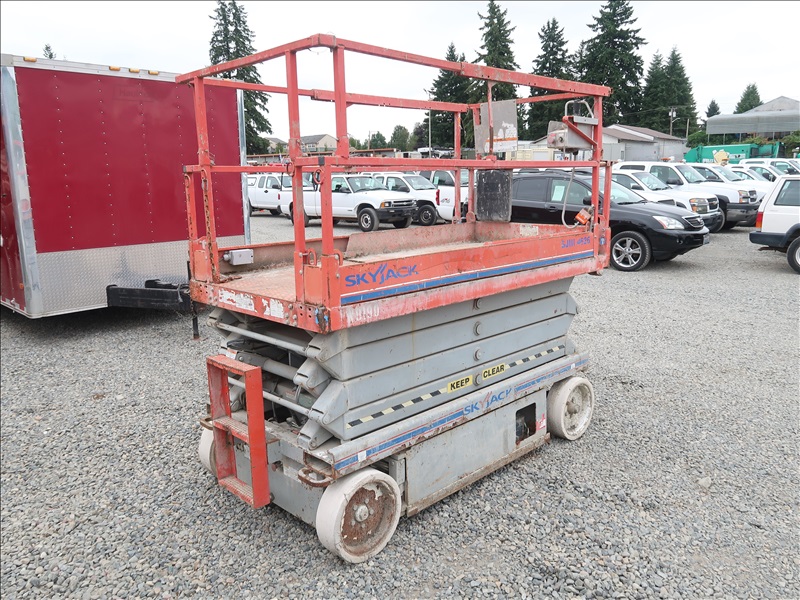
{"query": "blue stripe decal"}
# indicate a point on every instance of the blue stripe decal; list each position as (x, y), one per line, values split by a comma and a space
(471, 276)
(533, 382)
(380, 448)
(400, 439)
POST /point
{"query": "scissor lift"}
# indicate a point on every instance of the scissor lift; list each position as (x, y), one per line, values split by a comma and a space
(366, 377)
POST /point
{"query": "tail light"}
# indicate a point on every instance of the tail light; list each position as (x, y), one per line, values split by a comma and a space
(759, 219)
(437, 196)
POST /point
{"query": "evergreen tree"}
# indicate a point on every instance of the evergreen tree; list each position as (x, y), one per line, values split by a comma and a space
(680, 96)
(419, 137)
(495, 52)
(655, 102)
(713, 109)
(609, 58)
(552, 61)
(48, 51)
(399, 138)
(749, 100)
(448, 87)
(231, 39)
(577, 63)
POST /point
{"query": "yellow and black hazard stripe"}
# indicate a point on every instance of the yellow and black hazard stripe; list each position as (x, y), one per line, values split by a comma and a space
(445, 390)
(391, 409)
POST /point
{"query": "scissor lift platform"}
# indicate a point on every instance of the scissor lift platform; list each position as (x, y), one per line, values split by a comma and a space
(365, 377)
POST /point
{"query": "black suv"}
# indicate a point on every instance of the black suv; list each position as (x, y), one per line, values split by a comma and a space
(641, 231)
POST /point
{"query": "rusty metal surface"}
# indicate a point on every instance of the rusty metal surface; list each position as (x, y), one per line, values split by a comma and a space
(333, 283)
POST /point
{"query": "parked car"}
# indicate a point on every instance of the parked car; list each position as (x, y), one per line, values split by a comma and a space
(359, 198)
(641, 231)
(784, 165)
(720, 173)
(430, 208)
(704, 204)
(778, 220)
(265, 191)
(768, 172)
(738, 203)
(748, 173)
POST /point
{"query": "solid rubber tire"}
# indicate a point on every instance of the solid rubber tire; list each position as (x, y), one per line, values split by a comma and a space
(339, 508)
(559, 405)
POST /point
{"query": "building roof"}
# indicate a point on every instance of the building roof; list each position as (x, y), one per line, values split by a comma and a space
(312, 139)
(644, 133)
(776, 116)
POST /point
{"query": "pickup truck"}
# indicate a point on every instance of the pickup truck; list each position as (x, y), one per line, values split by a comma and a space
(358, 198)
(430, 207)
(266, 190)
(445, 181)
(738, 203)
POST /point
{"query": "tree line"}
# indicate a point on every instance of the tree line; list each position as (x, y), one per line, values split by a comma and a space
(661, 99)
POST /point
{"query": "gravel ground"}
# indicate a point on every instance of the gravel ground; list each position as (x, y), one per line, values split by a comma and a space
(685, 486)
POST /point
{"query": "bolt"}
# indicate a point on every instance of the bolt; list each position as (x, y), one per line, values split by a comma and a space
(477, 328)
(478, 354)
(361, 513)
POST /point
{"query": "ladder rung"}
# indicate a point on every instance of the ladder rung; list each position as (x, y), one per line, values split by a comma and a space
(238, 487)
(238, 429)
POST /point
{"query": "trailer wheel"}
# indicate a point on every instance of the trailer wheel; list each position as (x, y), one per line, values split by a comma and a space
(358, 514)
(570, 404)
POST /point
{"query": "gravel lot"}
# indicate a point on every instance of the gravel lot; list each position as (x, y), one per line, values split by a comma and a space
(685, 486)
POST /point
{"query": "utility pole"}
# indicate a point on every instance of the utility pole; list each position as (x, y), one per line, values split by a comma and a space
(672, 113)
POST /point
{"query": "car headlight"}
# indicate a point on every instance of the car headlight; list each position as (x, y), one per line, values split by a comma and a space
(744, 196)
(669, 223)
(386, 205)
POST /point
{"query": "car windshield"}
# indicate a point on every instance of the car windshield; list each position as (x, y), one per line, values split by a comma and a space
(755, 175)
(730, 175)
(464, 177)
(622, 195)
(419, 183)
(286, 181)
(361, 184)
(690, 174)
(651, 182)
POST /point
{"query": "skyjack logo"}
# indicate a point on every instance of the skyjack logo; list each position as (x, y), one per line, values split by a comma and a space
(380, 275)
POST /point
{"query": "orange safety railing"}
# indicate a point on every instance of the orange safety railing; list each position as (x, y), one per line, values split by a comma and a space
(334, 282)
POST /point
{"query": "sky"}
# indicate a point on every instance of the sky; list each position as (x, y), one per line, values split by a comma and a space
(724, 47)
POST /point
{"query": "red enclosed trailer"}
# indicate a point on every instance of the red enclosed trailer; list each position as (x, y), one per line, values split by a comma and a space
(93, 207)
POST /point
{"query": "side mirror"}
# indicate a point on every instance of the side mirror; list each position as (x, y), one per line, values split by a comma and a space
(276, 186)
(587, 200)
(636, 186)
(673, 181)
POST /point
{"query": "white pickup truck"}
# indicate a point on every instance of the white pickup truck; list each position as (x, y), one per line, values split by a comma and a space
(445, 181)
(738, 203)
(265, 191)
(358, 198)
